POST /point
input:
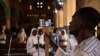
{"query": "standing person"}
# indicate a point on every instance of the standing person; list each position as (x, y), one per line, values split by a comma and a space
(32, 45)
(63, 40)
(41, 36)
(83, 26)
(32, 40)
(55, 36)
(55, 40)
(41, 42)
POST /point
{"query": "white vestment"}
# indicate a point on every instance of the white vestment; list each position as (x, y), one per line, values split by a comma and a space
(60, 52)
(31, 49)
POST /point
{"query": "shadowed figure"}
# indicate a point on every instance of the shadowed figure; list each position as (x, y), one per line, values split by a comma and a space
(82, 27)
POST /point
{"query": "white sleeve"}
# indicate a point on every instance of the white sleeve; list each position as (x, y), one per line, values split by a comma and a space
(5, 37)
(80, 53)
(30, 48)
(41, 40)
(60, 52)
(25, 35)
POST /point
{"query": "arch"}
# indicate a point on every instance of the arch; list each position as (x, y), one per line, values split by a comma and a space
(14, 17)
(6, 10)
(2, 10)
(14, 13)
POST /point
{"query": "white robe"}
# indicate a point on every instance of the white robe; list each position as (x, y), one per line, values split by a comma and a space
(32, 40)
(60, 52)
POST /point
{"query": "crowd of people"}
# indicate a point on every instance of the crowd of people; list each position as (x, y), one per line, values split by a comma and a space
(78, 40)
(59, 38)
(35, 42)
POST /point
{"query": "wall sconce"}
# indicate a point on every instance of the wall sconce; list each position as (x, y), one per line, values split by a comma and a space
(48, 7)
(30, 7)
(19, 0)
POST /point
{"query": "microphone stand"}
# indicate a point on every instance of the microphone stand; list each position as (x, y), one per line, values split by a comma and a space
(9, 46)
(38, 45)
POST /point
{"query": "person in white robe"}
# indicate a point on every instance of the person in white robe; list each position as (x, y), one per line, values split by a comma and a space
(63, 40)
(33, 47)
(69, 42)
(41, 36)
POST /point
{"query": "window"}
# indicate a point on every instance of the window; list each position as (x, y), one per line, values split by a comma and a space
(39, 4)
(60, 2)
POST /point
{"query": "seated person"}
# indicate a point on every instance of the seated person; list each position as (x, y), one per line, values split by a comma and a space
(63, 40)
(22, 36)
(2, 37)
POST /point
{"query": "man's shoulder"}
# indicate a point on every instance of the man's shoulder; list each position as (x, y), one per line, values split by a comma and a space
(91, 45)
(90, 49)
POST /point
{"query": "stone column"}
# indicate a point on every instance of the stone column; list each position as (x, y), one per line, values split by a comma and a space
(7, 12)
(69, 9)
(65, 13)
(60, 18)
(56, 20)
(8, 22)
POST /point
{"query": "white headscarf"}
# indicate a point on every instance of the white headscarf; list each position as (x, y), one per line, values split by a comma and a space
(32, 31)
(65, 36)
(23, 31)
(34, 40)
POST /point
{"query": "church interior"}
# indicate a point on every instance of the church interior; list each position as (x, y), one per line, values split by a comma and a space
(15, 14)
